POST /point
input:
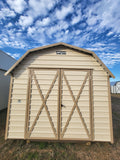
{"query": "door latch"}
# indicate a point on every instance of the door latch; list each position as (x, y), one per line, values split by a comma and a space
(62, 105)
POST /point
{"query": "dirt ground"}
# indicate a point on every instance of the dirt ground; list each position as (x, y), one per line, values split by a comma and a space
(19, 150)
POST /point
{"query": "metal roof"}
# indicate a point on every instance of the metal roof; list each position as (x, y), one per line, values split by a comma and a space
(6, 61)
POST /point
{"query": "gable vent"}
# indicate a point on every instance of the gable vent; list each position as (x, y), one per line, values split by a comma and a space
(61, 52)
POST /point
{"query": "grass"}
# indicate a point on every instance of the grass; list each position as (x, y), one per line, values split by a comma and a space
(19, 150)
(115, 94)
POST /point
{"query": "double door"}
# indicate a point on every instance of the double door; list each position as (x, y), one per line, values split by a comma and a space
(59, 104)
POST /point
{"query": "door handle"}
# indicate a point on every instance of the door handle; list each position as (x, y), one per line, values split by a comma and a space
(62, 105)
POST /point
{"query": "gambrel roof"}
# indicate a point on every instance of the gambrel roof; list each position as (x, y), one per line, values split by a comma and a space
(65, 45)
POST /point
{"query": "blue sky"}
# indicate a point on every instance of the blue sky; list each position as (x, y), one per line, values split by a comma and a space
(89, 24)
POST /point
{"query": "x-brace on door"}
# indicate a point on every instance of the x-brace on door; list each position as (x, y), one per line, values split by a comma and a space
(59, 104)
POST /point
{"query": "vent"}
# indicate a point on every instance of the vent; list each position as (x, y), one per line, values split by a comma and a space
(61, 52)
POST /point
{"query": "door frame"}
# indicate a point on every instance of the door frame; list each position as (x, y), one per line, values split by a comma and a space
(60, 72)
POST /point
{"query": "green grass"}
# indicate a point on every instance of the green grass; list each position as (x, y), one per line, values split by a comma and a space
(43, 145)
(30, 156)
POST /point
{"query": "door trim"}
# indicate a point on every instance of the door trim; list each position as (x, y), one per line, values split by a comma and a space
(91, 104)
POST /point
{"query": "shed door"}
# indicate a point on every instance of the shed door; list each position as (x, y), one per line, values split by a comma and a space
(59, 104)
(42, 104)
(76, 105)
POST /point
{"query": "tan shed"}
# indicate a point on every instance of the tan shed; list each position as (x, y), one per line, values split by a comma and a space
(59, 92)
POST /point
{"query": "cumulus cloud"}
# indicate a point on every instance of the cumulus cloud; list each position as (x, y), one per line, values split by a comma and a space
(17, 5)
(101, 47)
(12, 38)
(64, 11)
(92, 20)
(25, 21)
(31, 30)
(106, 52)
(110, 59)
(110, 33)
(6, 12)
(40, 7)
(61, 25)
(77, 32)
(16, 43)
(43, 22)
(9, 25)
(37, 8)
(106, 13)
(76, 19)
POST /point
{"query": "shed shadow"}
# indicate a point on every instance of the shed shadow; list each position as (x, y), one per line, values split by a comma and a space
(116, 118)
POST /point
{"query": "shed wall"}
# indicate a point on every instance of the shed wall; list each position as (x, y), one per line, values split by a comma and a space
(72, 59)
(4, 89)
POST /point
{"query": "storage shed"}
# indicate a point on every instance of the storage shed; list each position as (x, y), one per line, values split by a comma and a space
(59, 92)
(6, 62)
(115, 87)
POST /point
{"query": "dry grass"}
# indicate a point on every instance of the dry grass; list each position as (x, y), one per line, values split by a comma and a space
(19, 150)
(116, 95)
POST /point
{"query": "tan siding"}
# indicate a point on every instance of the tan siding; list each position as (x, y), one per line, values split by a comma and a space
(72, 59)
(17, 110)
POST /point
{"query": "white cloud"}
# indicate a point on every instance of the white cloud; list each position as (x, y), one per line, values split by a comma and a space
(76, 19)
(17, 5)
(110, 59)
(61, 14)
(40, 7)
(67, 31)
(106, 13)
(77, 32)
(14, 55)
(101, 47)
(12, 38)
(25, 21)
(37, 34)
(110, 33)
(43, 22)
(9, 25)
(15, 43)
(31, 30)
(106, 52)
(61, 25)
(6, 12)
(41, 33)
(92, 20)
(36, 8)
